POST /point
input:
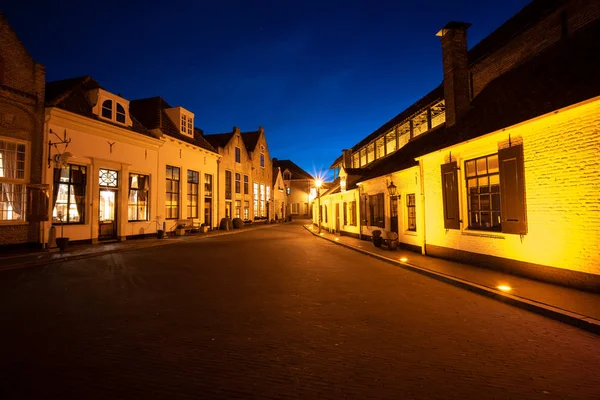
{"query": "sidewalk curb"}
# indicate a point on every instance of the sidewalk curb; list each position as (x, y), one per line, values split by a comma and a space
(577, 320)
(39, 263)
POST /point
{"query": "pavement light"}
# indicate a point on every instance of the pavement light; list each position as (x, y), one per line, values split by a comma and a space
(504, 288)
(336, 239)
(403, 259)
(321, 233)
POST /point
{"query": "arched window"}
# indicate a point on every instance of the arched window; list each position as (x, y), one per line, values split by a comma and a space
(120, 113)
(107, 107)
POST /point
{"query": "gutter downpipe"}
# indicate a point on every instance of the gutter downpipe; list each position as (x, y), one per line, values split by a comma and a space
(423, 220)
(359, 214)
(217, 193)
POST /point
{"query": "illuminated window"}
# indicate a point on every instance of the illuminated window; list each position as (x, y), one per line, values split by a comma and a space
(69, 194)
(137, 204)
(172, 193)
(246, 209)
(262, 200)
(256, 199)
(207, 185)
(483, 193)
(192, 194)
(238, 208)
(12, 181)
(411, 213)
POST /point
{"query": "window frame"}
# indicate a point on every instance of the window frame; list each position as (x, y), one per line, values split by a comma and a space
(137, 197)
(16, 180)
(169, 194)
(469, 203)
(246, 189)
(377, 210)
(411, 212)
(262, 160)
(238, 183)
(71, 187)
(238, 155)
(228, 184)
(190, 196)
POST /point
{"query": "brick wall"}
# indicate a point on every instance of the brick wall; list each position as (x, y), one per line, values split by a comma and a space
(562, 192)
(22, 87)
(532, 41)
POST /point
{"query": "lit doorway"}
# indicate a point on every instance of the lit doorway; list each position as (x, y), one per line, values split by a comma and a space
(107, 213)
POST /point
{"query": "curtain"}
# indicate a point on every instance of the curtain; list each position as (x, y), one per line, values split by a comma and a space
(12, 192)
(78, 181)
(55, 187)
(143, 187)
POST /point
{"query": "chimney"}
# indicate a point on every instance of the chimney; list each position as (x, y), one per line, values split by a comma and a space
(347, 158)
(236, 129)
(261, 129)
(456, 70)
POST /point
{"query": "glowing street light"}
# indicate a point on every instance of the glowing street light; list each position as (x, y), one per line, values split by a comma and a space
(318, 183)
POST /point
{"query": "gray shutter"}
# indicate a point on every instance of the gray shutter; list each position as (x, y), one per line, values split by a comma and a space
(450, 195)
(512, 190)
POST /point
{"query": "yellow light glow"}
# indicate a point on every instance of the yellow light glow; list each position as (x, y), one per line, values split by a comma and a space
(318, 183)
(504, 288)
(336, 239)
(403, 259)
(321, 233)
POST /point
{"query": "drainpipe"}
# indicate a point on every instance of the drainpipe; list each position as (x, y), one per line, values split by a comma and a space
(216, 193)
(422, 206)
(359, 214)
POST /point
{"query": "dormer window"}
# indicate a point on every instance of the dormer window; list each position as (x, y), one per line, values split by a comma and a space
(120, 113)
(107, 109)
(108, 106)
(287, 175)
(187, 125)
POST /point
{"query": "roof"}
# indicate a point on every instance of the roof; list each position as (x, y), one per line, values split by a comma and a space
(219, 139)
(297, 172)
(251, 139)
(556, 78)
(529, 15)
(151, 113)
(70, 95)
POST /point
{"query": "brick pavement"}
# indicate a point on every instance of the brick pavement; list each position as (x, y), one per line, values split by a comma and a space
(274, 314)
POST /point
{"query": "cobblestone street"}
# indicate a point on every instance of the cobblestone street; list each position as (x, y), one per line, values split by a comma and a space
(274, 313)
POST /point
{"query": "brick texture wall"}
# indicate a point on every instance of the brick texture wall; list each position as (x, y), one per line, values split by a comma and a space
(531, 41)
(562, 193)
(22, 87)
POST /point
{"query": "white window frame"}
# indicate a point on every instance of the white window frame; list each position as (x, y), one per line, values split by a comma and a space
(18, 181)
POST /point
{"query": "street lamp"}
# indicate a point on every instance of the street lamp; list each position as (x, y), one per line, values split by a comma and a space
(392, 190)
(318, 183)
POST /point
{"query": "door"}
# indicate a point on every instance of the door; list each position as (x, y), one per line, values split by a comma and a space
(208, 212)
(394, 214)
(107, 213)
(337, 217)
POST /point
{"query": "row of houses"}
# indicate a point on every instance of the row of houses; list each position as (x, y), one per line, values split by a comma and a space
(499, 165)
(102, 167)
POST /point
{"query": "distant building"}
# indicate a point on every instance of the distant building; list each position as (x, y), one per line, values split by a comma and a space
(245, 174)
(23, 198)
(499, 164)
(298, 184)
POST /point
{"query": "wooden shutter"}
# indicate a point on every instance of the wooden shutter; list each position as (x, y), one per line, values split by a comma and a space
(450, 195)
(512, 190)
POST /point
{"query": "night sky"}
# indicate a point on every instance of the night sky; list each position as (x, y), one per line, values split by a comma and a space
(318, 75)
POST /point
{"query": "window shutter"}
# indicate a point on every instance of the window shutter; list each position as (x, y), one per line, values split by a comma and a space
(450, 195)
(512, 190)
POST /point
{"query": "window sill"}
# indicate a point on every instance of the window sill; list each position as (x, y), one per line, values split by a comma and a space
(482, 234)
(13, 222)
(411, 233)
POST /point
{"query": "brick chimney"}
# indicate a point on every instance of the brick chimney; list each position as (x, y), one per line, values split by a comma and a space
(456, 70)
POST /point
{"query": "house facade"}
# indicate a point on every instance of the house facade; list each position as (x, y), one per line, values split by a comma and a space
(298, 184)
(279, 194)
(497, 165)
(245, 174)
(110, 177)
(23, 197)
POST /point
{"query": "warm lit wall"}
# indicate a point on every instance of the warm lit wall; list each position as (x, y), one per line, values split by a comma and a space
(131, 153)
(562, 192)
(244, 167)
(299, 191)
(407, 182)
(185, 156)
(279, 196)
(262, 175)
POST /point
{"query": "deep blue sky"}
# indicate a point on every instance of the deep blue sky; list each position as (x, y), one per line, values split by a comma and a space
(318, 75)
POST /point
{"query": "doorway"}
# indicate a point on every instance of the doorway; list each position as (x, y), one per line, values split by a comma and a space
(337, 217)
(107, 213)
(208, 212)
